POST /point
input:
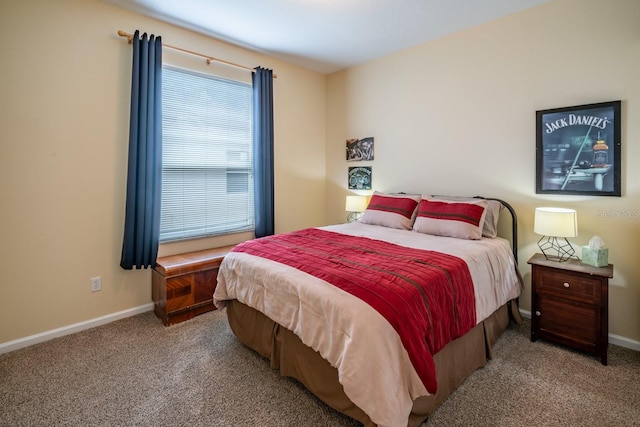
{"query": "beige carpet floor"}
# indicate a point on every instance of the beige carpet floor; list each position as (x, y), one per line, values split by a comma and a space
(136, 372)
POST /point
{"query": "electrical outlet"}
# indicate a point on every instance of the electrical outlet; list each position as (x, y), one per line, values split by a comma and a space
(96, 284)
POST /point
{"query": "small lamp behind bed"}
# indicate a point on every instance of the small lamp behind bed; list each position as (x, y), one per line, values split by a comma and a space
(355, 205)
(552, 224)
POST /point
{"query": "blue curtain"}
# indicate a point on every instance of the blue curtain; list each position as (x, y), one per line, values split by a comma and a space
(263, 151)
(144, 173)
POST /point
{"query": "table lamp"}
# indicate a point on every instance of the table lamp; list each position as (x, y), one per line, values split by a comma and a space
(555, 225)
(355, 205)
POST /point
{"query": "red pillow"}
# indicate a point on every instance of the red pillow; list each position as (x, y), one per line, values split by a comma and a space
(394, 211)
(463, 220)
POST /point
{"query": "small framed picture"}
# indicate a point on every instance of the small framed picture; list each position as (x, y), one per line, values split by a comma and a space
(578, 150)
(360, 149)
(360, 178)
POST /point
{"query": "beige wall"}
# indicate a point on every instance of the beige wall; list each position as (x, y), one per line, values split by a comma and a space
(457, 116)
(63, 152)
(453, 116)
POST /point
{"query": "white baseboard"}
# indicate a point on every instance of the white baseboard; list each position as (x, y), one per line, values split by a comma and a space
(526, 314)
(624, 342)
(76, 327)
(613, 339)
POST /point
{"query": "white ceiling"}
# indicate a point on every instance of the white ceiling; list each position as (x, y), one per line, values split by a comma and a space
(326, 35)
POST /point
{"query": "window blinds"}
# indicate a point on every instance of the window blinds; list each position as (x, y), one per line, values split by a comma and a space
(207, 160)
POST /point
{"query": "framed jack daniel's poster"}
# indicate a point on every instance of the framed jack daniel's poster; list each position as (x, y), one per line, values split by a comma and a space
(578, 150)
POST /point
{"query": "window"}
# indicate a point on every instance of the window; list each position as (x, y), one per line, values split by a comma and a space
(207, 159)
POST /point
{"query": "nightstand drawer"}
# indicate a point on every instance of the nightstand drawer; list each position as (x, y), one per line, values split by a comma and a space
(569, 285)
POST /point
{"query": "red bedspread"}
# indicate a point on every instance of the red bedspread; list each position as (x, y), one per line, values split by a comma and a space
(426, 296)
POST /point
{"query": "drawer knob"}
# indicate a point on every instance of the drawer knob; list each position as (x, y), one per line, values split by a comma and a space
(566, 285)
(537, 313)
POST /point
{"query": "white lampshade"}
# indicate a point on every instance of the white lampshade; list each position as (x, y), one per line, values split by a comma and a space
(556, 222)
(356, 203)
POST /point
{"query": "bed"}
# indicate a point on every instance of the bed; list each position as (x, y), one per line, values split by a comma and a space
(382, 319)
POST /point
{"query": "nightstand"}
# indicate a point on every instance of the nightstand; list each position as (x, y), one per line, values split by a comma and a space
(570, 304)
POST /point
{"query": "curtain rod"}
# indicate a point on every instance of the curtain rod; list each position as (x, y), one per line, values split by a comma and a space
(208, 58)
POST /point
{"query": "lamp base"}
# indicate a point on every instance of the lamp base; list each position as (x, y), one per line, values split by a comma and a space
(555, 249)
(354, 216)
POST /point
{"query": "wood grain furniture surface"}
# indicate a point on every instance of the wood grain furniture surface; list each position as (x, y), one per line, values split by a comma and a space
(182, 285)
(570, 304)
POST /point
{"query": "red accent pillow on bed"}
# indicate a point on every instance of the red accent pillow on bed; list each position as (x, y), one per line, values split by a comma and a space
(490, 228)
(463, 220)
(394, 211)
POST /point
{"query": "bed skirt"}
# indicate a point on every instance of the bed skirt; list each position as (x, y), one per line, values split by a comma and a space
(454, 363)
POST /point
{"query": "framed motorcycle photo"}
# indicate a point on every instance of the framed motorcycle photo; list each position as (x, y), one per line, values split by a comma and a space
(578, 150)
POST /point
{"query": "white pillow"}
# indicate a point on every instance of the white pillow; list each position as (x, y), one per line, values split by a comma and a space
(462, 220)
(391, 210)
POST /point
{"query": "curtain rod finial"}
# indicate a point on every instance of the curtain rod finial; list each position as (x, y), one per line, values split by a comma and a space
(127, 35)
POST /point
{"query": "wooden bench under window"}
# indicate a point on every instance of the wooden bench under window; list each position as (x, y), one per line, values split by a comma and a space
(182, 285)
